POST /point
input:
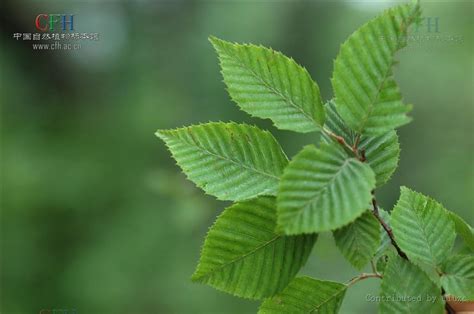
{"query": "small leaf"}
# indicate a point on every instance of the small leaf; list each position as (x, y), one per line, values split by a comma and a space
(243, 256)
(359, 240)
(382, 152)
(228, 160)
(382, 263)
(385, 240)
(367, 96)
(336, 125)
(463, 230)
(267, 84)
(407, 289)
(306, 295)
(458, 277)
(422, 228)
(322, 189)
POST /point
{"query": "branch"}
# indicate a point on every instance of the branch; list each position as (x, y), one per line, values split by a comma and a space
(387, 228)
(356, 142)
(374, 267)
(362, 277)
(360, 154)
(389, 231)
(343, 142)
(449, 309)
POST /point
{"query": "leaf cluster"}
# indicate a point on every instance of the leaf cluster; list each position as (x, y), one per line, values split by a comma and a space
(257, 245)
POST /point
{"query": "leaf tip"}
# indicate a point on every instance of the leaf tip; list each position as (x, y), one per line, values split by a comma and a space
(212, 39)
(404, 189)
(160, 134)
(215, 42)
(196, 277)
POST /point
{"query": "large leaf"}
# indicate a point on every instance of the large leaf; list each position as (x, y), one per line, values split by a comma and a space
(407, 289)
(359, 240)
(463, 230)
(367, 96)
(267, 84)
(306, 295)
(422, 228)
(458, 277)
(228, 160)
(322, 189)
(242, 254)
(382, 152)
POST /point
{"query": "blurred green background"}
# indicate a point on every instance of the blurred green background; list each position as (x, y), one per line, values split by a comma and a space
(96, 216)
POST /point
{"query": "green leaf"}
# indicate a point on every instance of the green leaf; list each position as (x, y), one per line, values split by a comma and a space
(359, 240)
(407, 289)
(228, 160)
(465, 249)
(382, 263)
(322, 189)
(336, 125)
(463, 230)
(458, 277)
(422, 228)
(306, 295)
(267, 84)
(385, 240)
(242, 254)
(382, 152)
(367, 96)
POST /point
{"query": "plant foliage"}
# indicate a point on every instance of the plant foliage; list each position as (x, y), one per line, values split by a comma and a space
(323, 189)
(359, 240)
(367, 96)
(228, 160)
(267, 84)
(306, 295)
(243, 254)
(407, 289)
(257, 246)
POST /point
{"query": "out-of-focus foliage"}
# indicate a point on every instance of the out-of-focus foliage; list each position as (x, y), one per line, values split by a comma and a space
(95, 215)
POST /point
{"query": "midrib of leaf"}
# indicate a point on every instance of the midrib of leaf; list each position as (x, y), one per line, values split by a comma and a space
(275, 91)
(456, 276)
(229, 159)
(259, 247)
(317, 195)
(425, 237)
(317, 307)
(356, 238)
(379, 89)
(372, 103)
